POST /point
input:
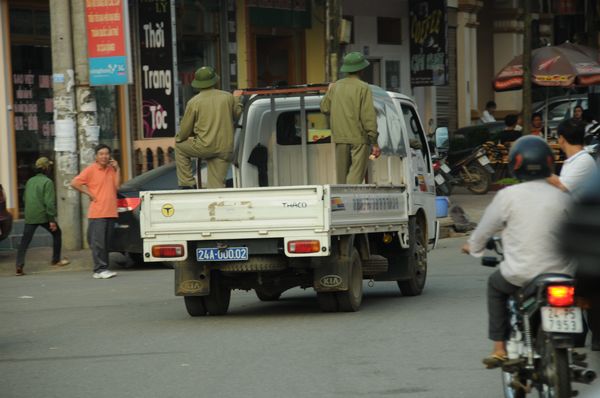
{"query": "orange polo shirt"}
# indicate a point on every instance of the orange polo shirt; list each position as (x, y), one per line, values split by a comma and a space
(102, 184)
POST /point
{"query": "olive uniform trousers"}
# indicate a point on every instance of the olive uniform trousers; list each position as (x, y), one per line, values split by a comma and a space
(218, 164)
(351, 162)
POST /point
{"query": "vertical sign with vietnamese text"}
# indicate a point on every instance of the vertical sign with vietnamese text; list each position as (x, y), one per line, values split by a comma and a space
(157, 74)
(107, 34)
(428, 40)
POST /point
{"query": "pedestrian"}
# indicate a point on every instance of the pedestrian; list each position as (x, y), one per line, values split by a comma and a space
(349, 103)
(509, 134)
(206, 131)
(40, 211)
(579, 168)
(100, 182)
(528, 216)
(577, 113)
(488, 114)
(537, 124)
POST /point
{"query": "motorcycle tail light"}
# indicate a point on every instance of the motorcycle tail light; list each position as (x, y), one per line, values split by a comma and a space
(437, 166)
(560, 295)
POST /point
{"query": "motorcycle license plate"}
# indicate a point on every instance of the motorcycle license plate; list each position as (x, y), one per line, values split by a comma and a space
(562, 320)
(445, 169)
(484, 160)
(439, 180)
(228, 254)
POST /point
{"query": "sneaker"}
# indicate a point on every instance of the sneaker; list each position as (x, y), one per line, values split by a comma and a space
(106, 274)
(60, 263)
(20, 271)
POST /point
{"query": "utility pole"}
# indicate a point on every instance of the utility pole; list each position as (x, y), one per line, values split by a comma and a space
(87, 118)
(66, 161)
(527, 67)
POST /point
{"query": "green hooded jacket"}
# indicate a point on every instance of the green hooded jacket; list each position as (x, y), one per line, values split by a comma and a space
(353, 120)
(40, 200)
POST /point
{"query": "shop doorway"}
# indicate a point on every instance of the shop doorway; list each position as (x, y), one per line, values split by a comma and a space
(275, 61)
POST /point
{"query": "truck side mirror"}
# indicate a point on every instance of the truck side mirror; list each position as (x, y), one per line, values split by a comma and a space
(441, 138)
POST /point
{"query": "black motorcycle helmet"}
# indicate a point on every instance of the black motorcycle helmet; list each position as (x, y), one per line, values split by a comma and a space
(530, 158)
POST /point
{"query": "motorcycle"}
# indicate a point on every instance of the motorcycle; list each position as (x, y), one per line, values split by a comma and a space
(474, 172)
(443, 182)
(544, 322)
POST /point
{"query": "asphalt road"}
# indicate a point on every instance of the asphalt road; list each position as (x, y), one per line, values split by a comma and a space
(68, 335)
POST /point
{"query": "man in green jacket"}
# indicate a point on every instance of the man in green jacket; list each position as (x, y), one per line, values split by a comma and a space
(206, 131)
(349, 102)
(40, 211)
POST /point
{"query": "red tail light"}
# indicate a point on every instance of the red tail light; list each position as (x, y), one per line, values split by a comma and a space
(561, 296)
(167, 251)
(304, 246)
(437, 166)
(128, 204)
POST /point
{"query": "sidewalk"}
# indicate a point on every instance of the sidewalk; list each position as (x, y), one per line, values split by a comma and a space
(38, 258)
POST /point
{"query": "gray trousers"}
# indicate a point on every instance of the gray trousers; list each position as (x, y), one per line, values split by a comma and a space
(99, 233)
(499, 290)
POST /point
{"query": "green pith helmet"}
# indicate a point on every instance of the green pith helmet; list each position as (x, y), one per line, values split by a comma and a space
(354, 62)
(205, 77)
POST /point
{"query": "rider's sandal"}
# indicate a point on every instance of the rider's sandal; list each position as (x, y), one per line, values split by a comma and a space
(494, 361)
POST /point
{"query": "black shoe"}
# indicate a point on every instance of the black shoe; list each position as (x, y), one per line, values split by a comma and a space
(187, 187)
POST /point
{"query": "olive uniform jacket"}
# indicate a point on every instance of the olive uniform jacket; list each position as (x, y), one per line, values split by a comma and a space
(349, 102)
(208, 119)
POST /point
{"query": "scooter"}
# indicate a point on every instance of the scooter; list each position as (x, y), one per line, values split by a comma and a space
(545, 323)
(441, 175)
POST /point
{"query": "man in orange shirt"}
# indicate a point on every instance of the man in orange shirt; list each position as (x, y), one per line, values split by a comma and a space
(100, 181)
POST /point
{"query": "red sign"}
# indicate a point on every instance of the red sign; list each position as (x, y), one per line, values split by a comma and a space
(105, 28)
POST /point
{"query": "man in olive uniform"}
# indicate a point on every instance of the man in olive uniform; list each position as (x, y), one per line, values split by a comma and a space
(206, 131)
(349, 102)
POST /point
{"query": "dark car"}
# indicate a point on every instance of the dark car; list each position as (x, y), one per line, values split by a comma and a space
(126, 234)
(6, 218)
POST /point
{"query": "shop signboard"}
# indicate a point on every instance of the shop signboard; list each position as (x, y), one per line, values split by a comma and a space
(157, 61)
(428, 43)
(108, 42)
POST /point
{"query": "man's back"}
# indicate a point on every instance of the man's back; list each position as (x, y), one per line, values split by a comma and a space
(529, 215)
(350, 103)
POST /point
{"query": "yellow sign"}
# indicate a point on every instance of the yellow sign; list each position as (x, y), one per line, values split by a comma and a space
(167, 210)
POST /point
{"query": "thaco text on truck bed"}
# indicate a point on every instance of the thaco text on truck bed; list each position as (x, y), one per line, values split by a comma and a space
(285, 223)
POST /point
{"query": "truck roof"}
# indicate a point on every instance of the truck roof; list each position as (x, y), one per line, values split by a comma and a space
(314, 89)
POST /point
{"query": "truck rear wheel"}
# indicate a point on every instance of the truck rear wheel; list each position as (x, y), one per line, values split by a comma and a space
(327, 301)
(350, 300)
(417, 261)
(195, 305)
(217, 301)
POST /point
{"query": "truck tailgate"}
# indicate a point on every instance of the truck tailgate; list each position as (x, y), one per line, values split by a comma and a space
(233, 213)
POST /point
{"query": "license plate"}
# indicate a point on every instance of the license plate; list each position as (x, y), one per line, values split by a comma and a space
(445, 169)
(562, 320)
(484, 160)
(439, 179)
(228, 254)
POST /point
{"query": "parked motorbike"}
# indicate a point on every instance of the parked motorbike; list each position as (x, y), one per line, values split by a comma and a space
(441, 175)
(545, 323)
(474, 172)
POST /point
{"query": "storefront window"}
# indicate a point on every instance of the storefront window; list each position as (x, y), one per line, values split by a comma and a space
(32, 90)
(197, 43)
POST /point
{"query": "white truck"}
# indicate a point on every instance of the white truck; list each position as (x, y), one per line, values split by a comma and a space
(285, 223)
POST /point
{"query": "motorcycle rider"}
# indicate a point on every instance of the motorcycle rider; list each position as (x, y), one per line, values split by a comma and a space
(528, 216)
